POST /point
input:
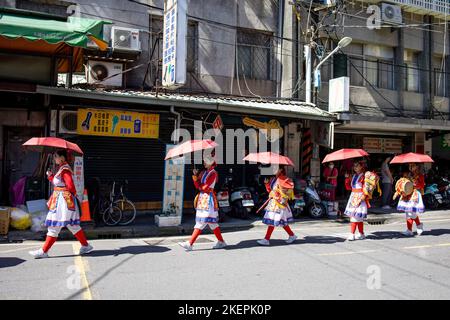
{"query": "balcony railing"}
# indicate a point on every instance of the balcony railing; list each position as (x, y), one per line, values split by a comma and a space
(437, 8)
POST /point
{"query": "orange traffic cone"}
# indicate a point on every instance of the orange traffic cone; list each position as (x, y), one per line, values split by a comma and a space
(85, 212)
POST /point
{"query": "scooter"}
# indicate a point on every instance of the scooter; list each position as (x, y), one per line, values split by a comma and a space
(241, 201)
(223, 197)
(314, 206)
(437, 195)
(298, 204)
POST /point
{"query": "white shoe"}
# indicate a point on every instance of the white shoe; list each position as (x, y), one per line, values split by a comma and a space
(291, 239)
(360, 236)
(86, 249)
(386, 207)
(220, 245)
(408, 233)
(263, 242)
(186, 245)
(420, 229)
(38, 254)
(351, 237)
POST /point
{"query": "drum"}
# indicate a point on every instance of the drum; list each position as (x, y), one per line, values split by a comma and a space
(404, 186)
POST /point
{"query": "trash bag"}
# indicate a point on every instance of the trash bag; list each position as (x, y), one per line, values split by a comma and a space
(20, 219)
(37, 222)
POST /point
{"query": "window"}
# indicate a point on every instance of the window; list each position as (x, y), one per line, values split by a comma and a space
(254, 55)
(440, 82)
(386, 74)
(411, 71)
(379, 66)
(192, 49)
(355, 63)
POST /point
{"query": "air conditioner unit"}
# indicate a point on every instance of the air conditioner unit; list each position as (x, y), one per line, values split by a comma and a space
(391, 14)
(68, 121)
(100, 72)
(125, 39)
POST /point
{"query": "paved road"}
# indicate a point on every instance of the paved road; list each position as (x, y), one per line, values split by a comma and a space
(320, 265)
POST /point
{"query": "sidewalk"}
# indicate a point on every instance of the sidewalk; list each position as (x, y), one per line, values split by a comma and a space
(144, 226)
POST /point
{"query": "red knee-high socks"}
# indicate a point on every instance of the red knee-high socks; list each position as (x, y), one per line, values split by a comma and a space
(194, 236)
(49, 241)
(409, 223)
(288, 230)
(81, 237)
(360, 226)
(269, 232)
(218, 234)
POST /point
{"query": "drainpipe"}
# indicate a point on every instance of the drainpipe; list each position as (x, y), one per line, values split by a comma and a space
(177, 123)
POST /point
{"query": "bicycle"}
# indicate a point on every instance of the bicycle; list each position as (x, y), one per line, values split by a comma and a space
(106, 207)
(126, 206)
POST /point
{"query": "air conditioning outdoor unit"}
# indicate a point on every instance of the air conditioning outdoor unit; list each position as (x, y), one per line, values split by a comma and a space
(391, 14)
(68, 121)
(100, 72)
(125, 39)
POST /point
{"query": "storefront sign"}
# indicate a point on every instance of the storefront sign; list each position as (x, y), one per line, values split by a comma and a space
(78, 177)
(218, 123)
(269, 126)
(382, 145)
(323, 134)
(174, 43)
(173, 184)
(116, 123)
(445, 141)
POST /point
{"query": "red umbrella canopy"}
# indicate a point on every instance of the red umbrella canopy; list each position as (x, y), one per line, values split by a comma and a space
(42, 143)
(190, 146)
(345, 154)
(411, 157)
(269, 158)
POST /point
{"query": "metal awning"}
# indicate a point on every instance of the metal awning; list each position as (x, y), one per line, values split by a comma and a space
(279, 108)
(75, 31)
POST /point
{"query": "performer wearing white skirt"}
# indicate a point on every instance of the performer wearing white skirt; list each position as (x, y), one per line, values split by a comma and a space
(278, 212)
(412, 204)
(205, 204)
(362, 185)
(63, 208)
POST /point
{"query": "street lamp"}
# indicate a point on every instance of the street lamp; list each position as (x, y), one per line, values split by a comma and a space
(342, 43)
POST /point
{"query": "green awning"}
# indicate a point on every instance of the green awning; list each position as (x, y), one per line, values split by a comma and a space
(74, 32)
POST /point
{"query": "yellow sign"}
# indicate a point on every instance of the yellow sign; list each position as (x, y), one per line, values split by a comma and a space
(269, 126)
(116, 123)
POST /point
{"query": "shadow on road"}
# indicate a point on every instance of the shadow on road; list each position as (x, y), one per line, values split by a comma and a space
(383, 235)
(10, 262)
(133, 250)
(435, 232)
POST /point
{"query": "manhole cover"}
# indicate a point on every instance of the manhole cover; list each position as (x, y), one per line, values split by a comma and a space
(376, 222)
(110, 236)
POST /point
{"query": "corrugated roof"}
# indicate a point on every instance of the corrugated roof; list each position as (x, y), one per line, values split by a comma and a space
(283, 108)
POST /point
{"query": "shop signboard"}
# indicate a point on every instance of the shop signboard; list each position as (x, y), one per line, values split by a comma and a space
(78, 177)
(117, 123)
(174, 43)
(445, 141)
(323, 134)
(372, 145)
(173, 184)
(392, 145)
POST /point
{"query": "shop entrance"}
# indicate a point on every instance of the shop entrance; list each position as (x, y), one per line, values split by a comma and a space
(18, 161)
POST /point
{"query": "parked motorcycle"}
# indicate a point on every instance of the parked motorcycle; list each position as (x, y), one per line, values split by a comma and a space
(437, 195)
(240, 198)
(223, 197)
(314, 206)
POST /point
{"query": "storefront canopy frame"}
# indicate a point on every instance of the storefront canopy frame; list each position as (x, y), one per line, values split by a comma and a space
(277, 108)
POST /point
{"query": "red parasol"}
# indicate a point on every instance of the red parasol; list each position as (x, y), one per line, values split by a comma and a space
(42, 143)
(345, 154)
(190, 146)
(411, 157)
(269, 158)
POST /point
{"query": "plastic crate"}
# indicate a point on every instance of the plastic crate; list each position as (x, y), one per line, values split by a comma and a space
(5, 214)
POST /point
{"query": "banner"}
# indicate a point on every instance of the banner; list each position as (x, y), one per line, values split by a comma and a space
(78, 177)
(117, 123)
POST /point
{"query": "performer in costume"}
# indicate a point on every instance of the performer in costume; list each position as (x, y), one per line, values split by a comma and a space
(63, 208)
(206, 205)
(278, 212)
(410, 191)
(270, 184)
(362, 186)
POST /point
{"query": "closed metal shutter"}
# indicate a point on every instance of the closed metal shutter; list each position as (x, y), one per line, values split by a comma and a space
(140, 161)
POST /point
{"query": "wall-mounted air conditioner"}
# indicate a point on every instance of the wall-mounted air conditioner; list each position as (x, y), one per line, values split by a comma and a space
(391, 14)
(105, 73)
(68, 121)
(125, 39)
